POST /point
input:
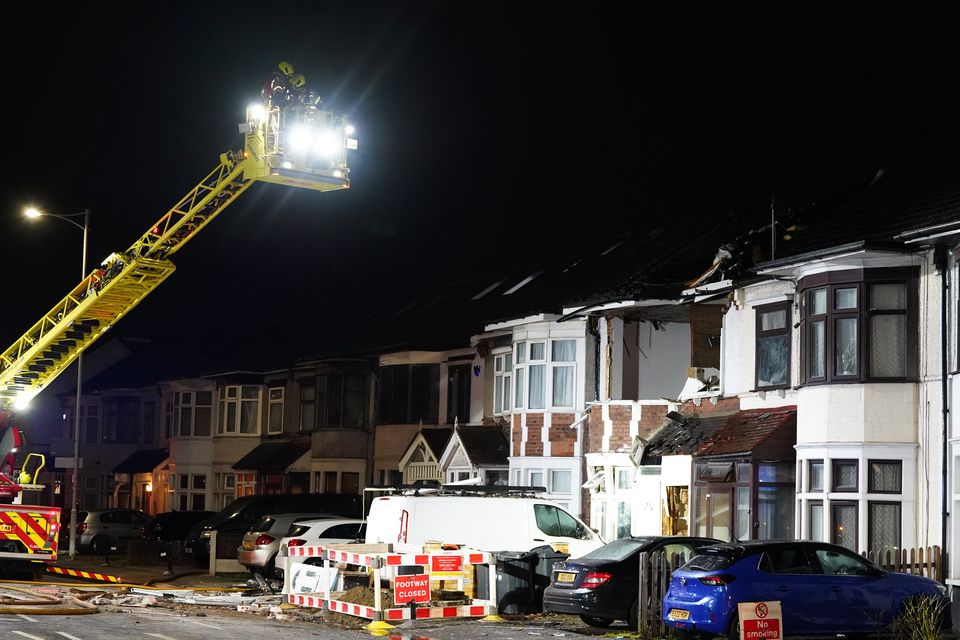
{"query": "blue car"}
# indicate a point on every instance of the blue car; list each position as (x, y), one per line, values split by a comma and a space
(823, 589)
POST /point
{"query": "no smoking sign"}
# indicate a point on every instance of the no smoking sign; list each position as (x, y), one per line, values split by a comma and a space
(760, 620)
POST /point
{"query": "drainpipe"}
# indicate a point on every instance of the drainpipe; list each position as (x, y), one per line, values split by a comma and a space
(940, 260)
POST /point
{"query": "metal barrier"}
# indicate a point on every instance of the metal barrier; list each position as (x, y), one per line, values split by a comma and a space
(442, 566)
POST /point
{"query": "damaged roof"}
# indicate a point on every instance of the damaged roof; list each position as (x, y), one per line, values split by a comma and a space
(681, 435)
(749, 430)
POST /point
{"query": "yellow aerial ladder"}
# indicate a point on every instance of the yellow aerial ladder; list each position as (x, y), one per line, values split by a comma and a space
(288, 140)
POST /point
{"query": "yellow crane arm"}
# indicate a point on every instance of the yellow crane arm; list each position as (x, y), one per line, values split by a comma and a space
(297, 145)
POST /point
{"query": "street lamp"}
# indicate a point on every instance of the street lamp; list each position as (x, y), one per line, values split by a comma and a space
(33, 212)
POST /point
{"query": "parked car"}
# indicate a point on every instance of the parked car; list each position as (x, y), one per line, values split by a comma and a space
(823, 589)
(310, 533)
(258, 551)
(603, 585)
(172, 526)
(100, 531)
(238, 516)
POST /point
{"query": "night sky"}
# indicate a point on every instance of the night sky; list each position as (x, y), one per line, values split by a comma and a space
(491, 134)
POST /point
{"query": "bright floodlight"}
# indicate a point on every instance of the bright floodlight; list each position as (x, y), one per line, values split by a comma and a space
(22, 403)
(32, 212)
(256, 113)
(327, 144)
(349, 130)
(300, 139)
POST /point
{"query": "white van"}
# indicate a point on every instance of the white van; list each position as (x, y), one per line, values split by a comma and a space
(478, 522)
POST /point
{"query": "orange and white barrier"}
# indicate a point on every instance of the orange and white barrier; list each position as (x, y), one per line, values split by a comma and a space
(443, 565)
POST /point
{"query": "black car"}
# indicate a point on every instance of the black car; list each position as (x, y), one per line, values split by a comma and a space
(237, 517)
(172, 526)
(604, 585)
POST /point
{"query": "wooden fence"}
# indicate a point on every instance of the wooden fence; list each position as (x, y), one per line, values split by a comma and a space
(655, 573)
(921, 562)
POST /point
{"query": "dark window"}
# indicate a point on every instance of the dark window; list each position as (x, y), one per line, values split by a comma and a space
(409, 394)
(308, 405)
(845, 475)
(816, 475)
(120, 418)
(341, 400)
(883, 525)
(843, 517)
(458, 394)
(345, 531)
(859, 325)
(716, 472)
(885, 476)
(149, 420)
(786, 559)
(773, 346)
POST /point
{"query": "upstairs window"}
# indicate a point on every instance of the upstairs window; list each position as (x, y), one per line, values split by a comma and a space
(193, 413)
(240, 409)
(502, 383)
(859, 326)
(409, 394)
(773, 346)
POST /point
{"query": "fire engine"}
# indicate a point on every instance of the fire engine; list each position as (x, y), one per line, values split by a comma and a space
(289, 140)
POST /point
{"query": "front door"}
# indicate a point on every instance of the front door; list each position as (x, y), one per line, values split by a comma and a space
(714, 512)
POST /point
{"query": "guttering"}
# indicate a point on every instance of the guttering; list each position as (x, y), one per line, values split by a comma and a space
(930, 233)
(851, 248)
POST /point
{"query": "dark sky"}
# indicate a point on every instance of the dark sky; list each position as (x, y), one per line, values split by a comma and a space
(491, 134)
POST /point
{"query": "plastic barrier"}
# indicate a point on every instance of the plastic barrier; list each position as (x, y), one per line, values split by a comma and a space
(441, 566)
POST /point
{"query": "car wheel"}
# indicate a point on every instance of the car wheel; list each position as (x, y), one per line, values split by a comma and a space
(594, 621)
(632, 621)
(100, 544)
(733, 632)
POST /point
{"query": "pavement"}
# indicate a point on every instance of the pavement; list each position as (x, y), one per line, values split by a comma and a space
(184, 575)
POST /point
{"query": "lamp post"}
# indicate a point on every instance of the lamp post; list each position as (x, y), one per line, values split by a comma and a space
(85, 227)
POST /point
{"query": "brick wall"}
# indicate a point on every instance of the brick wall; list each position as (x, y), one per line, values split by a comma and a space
(534, 445)
(516, 434)
(593, 435)
(562, 437)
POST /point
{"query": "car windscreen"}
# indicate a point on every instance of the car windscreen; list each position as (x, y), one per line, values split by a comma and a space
(233, 509)
(263, 524)
(710, 562)
(618, 549)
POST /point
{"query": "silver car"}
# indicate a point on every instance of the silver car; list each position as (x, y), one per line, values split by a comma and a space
(258, 550)
(104, 530)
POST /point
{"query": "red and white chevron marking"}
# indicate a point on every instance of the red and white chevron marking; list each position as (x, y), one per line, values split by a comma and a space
(305, 601)
(465, 611)
(390, 559)
(352, 609)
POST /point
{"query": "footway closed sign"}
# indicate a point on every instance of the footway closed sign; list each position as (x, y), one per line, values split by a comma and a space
(760, 620)
(407, 588)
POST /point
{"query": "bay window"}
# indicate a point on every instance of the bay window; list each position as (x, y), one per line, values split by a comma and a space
(859, 326)
(502, 383)
(239, 409)
(544, 370)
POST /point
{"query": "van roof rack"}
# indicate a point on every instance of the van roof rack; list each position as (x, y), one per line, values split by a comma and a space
(493, 490)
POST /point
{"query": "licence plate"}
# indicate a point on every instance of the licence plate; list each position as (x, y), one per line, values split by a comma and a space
(679, 614)
(248, 545)
(566, 577)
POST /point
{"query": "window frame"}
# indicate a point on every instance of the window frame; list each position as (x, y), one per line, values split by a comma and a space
(273, 404)
(835, 504)
(870, 485)
(834, 476)
(503, 383)
(787, 307)
(862, 280)
(823, 472)
(870, 505)
(225, 400)
(191, 406)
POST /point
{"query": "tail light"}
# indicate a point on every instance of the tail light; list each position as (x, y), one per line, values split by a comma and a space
(81, 527)
(263, 539)
(717, 581)
(296, 542)
(594, 579)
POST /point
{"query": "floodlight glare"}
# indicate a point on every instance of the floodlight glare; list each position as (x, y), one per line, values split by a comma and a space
(349, 129)
(300, 139)
(22, 403)
(327, 144)
(256, 113)
(32, 212)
